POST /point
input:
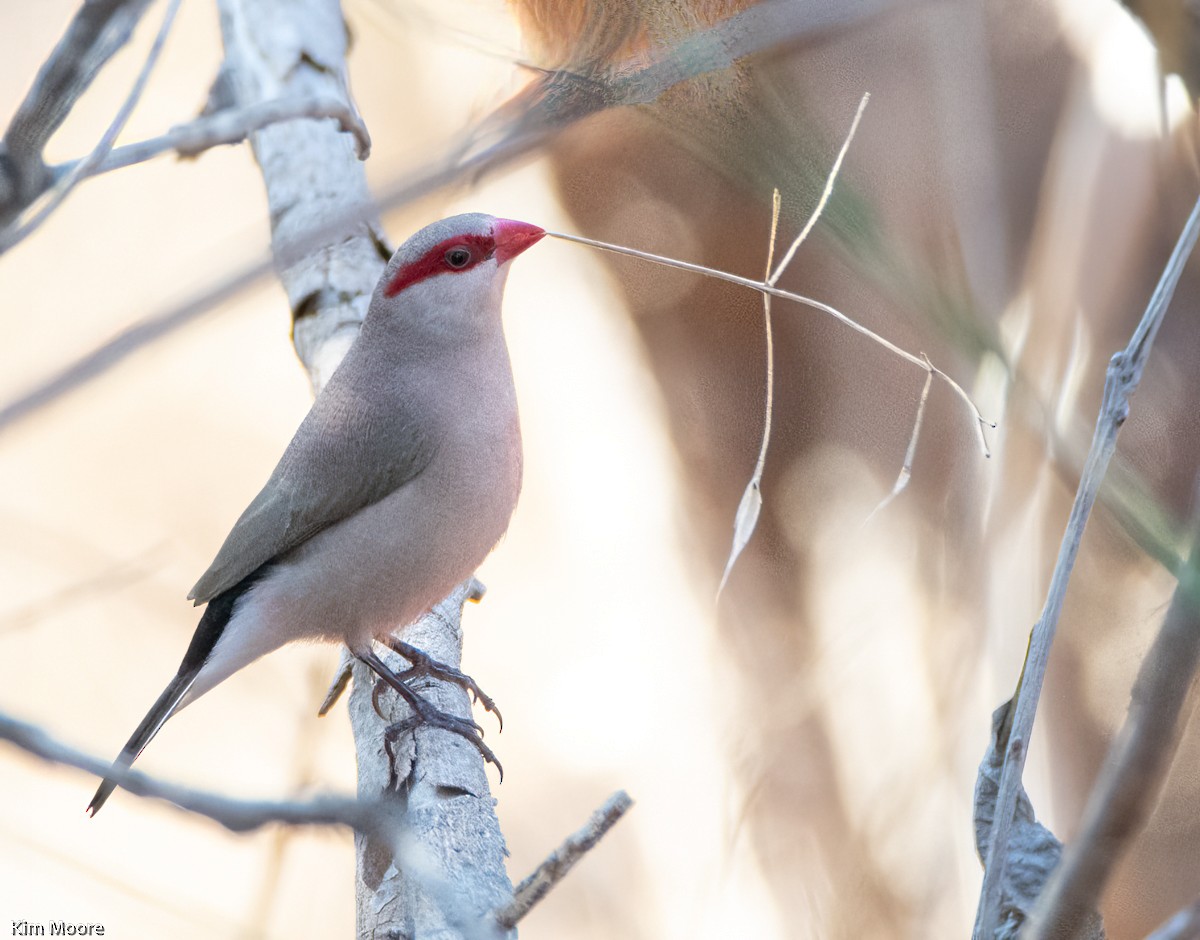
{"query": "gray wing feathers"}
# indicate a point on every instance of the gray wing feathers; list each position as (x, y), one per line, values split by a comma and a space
(346, 455)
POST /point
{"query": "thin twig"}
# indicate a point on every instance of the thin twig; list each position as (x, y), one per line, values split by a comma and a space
(1123, 375)
(825, 193)
(551, 871)
(129, 341)
(746, 519)
(232, 126)
(20, 228)
(764, 287)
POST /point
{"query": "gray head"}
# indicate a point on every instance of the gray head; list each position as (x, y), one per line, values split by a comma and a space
(459, 260)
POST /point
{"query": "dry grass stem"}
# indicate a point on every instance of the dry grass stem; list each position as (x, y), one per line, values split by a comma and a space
(825, 194)
(762, 286)
(910, 454)
(745, 520)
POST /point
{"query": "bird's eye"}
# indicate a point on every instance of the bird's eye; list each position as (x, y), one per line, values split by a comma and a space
(458, 257)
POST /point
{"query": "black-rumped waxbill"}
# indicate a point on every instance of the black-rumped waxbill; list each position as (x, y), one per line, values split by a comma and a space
(397, 484)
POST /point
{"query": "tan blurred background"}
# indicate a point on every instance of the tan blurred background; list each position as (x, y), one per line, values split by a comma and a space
(113, 498)
(599, 637)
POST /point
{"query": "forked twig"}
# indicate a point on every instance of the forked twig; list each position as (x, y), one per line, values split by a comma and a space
(763, 287)
(746, 518)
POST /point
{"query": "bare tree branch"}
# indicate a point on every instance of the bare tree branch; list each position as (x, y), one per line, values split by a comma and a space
(98, 29)
(556, 865)
(232, 126)
(1124, 374)
(234, 815)
(19, 228)
(1129, 783)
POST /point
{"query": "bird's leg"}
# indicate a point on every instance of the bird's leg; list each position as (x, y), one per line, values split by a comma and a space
(425, 665)
(424, 713)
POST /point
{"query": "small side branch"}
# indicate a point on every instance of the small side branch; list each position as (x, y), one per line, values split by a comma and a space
(910, 454)
(562, 860)
(232, 126)
(1124, 374)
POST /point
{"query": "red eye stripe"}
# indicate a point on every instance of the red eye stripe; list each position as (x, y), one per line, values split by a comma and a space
(434, 262)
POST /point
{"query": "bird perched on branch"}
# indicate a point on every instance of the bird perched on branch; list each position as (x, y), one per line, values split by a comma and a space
(397, 484)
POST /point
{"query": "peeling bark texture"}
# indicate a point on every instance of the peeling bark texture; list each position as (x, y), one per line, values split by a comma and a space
(452, 870)
(452, 874)
(275, 49)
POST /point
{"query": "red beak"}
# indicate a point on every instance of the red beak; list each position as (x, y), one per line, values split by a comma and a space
(513, 237)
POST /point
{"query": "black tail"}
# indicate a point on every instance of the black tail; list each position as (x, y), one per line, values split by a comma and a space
(208, 631)
(163, 709)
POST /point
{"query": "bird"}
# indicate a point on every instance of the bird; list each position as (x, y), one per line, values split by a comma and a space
(399, 481)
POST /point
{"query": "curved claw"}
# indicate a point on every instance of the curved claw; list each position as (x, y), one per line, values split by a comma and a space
(424, 712)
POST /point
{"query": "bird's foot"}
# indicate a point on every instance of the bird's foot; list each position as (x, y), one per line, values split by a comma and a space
(425, 665)
(423, 711)
(429, 716)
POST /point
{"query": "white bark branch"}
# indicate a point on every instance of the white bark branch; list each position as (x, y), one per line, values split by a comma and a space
(448, 873)
(232, 126)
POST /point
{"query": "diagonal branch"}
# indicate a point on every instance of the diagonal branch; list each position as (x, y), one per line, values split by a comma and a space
(1124, 374)
(98, 29)
(559, 862)
(19, 228)
(1132, 777)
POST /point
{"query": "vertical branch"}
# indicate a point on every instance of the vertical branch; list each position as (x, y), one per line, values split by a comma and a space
(327, 243)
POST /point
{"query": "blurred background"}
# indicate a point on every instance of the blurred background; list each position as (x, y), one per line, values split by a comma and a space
(802, 753)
